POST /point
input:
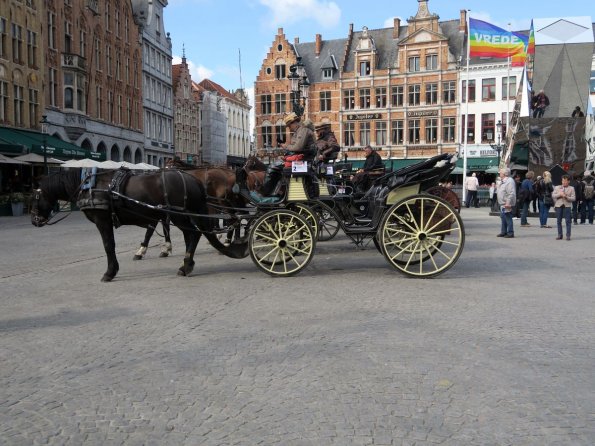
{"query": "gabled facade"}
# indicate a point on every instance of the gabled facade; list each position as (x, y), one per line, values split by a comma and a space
(186, 114)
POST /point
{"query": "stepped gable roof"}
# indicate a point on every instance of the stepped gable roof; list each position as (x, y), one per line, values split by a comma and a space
(329, 49)
(175, 73)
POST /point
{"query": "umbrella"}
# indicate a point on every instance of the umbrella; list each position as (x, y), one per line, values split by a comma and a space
(127, 165)
(7, 160)
(86, 162)
(145, 166)
(109, 164)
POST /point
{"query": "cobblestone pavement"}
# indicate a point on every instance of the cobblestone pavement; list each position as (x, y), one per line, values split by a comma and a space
(497, 351)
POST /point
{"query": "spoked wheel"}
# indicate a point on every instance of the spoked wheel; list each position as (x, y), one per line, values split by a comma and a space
(422, 236)
(446, 194)
(307, 212)
(282, 243)
(328, 222)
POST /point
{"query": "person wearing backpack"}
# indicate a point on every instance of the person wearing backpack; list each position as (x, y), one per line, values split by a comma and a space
(588, 197)
(544, 193)
(524, 199)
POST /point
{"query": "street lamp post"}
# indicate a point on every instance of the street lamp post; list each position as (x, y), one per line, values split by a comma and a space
(44, 130)
(299, 86)
(498, 147)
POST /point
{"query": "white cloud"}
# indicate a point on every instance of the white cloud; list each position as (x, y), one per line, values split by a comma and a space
(197, 72)
(326, 13)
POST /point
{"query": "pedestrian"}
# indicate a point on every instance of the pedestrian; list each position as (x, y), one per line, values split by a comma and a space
(578, 113)
(545, 200)
(534, 195)
(564, 196)
(471, 186)
(493, 200)
(588, 197)
(578, 191)
(526, 190)
(506, 199)
(516, 212)
(541, 103)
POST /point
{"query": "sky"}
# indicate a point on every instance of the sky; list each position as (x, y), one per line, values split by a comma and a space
(221, 36)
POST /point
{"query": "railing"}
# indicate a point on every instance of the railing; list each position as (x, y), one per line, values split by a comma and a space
(73, 61)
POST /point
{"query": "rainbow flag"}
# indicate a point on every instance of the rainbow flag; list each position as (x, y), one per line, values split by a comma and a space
(487, 40)
(531, 44)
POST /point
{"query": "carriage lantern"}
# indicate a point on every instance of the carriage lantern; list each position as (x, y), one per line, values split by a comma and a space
(299, 86)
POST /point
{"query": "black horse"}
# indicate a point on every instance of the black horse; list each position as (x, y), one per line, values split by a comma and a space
(166, 248)
(115, 198)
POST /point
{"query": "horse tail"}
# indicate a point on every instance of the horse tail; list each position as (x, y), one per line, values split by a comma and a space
(234, 251)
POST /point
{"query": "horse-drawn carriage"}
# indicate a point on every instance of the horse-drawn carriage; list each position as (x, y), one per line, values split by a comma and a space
(419, 234)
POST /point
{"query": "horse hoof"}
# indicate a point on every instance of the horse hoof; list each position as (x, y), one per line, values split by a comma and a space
(106, 278)
(181, 272)
(137, 257)
(163, 254)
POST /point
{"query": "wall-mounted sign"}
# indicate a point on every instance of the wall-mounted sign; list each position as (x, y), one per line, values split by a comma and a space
(364, 116)
(418, 114)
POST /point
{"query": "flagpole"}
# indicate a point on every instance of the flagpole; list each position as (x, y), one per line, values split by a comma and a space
(508, 88)
(466, 122)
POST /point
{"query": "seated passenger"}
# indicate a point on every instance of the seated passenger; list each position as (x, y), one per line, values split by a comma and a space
(302, 147)
(361, 180)
(326, 143)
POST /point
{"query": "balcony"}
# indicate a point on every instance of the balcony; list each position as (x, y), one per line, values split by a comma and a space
(73, 61)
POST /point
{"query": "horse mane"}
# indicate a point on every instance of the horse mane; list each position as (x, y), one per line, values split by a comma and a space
(253, 163)
(62, 185)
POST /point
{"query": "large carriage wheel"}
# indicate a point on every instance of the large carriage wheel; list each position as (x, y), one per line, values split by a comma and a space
(328, 221)
(446, 194)
(422, 235)
(282, 243)
(307, 212)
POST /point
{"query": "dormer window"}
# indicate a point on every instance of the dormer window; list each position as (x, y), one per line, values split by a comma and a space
(364, 68)
(327, 73)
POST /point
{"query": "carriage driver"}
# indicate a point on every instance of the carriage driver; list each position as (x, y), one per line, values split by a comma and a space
(327, 143)
(302, 147)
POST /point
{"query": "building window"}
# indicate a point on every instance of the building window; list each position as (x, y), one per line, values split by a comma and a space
(397, 131)
(381, 97)
(487, 128)
(431, 93)
(364, 68)
(83, 43)
(364, 98)
(380, 133)
(503, 122)
(17, 44)
(19, 106)
(349, 99)
(51, 30)
(448, 129)
(98, 53)
(349, 134)
(280, 134)
(3, 37)
(117, 21)
(68, 90)
(398, 95)
(98, 102)
(3, 101)
(471, 91)
(53, 90)
(67, 37)
(108, 60)
(126, 28)
(509, 87)
(325, 101)
(280, 103)
(107, 15)
(470, 128)
(431, 130)
(266, 104)
(267, 136)
(414, 94)
(110, 106)
(33, 107)
(488, 89)
(279, 71)
(449, 92)
(432, 62)
(364, 133)
(118, 66)
(327, 73)
(31, 49)
(413, 127)
(414, 63)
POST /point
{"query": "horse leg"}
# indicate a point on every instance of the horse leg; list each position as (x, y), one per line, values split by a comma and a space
(145, 243)
(104, 225)
(191, 237)
(166, 248)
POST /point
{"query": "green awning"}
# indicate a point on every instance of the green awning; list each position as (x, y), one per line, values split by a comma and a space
(480, 164)
(34, 143)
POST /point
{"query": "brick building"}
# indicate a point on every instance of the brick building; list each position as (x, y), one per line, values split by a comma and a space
(394, 88)
(186, 100)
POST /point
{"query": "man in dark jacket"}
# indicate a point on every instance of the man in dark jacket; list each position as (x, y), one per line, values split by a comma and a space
(588, 197)
(327, 142)
(361, 180)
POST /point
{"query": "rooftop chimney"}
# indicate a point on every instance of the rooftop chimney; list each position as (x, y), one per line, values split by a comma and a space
(318, 44)
(396, 26)
(463, 20)
(296, 40)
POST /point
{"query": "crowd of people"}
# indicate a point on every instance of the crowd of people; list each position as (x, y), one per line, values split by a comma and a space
(572, 200)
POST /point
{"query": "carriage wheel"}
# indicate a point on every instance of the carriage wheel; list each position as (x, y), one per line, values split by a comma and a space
(446, 194)
(282, 243)
(328, 221)
(422, 236)
(307, 212)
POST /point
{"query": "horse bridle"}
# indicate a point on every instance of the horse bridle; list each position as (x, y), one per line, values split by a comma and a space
(37, 219)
